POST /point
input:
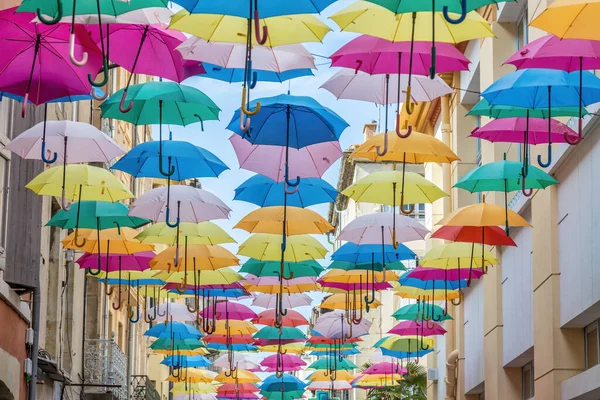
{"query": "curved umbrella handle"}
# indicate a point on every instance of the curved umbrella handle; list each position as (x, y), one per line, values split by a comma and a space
(244, 109)
(99, 98)
(122, 107)
(169, 172)
(182, 287)
(395, 244)
(456, 302)
(137, 313)
(119, 299)
(84, 57)
(167, 215)
(526, 193)
(408, 131)
(48, 160)
(292, 191)
(201, 122)
(429, 324)
(461, 18)
(359, 65)
(104, 80)
(579, 136)
(265, 29)
(547, 163)
(54, 20)
(79, 244)
(63, 202)
(382, 152)
(436, 317)
(24, 106)
(251, 76)
(402, 210)
(244, 121)
(408, 104)
(287, 179)
(284, 276)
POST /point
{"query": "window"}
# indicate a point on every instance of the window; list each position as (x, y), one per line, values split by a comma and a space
(522, 34)
(591, 339)
(527, 381)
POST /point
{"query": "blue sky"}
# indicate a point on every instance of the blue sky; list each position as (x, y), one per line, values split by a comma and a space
(227, 97)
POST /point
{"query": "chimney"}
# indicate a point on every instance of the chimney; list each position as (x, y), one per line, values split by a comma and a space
(370, 130)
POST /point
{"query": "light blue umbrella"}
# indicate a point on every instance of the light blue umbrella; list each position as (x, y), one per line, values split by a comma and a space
(242, 8)
(232, 75)
(177, 330)
(285, 383)
(186, 361)
(265, 192)
(367, 253)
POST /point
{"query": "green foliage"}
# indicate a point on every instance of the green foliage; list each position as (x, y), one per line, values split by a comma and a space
(412, 387)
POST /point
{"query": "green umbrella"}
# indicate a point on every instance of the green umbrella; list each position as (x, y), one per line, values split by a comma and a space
(349, 266)
(273, 268)
(323, 363)
(504, 176)
(414, 312)
(283, 333)
(297, 394)
(177, 344)
(484, 109)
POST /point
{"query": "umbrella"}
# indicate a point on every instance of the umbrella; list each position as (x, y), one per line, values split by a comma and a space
(192, 375)
(206, 233)
(352, 304)
(416, 312)
(267, 8)
(268, 317)
(492, 235)
(265, 192)
(273, 268)
(240, 360)
(284, 383)
(206, 257)
(267, 247)
(354, 253)
(296, 221)
(171, 312)
(110, 262)
(329, 385)
(485, 109)
(243, 376)
(228, 310)
(322, 363)
(287, 362)
(282, 333)
(322, 376)
(272, 285)
(377, 228)
(377, 266)
(289, 301)
(193, 389)
(181, 361)
(569, 19)
(545, 88)
(193, 204)
(307, 162)
(395, 344)
(176, 330)
(36, 57)
(334, 325)
(233, 75)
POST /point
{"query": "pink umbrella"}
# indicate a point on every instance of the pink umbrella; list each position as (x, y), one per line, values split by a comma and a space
(434, 274)
(269, 317)
(379, 56)
(35, 60)
(117, 262)
(233, 55)
(146, 49)
(367, 229)
(324, 385)
(192, 205)
(333, 325)
(228, 310)
(375, 88)
(387, 368)
(308, 162)
(290, 301)
(275, 342)
(517, 130)
(288, 362)
(409, 328)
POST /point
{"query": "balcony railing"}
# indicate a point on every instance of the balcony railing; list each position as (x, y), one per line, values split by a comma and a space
(143, 389)
(105, 364)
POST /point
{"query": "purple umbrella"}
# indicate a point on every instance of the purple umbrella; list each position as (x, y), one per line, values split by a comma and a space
(35, 60)
(308, 162)
(435, 274)
(409, 328)
(524, 130)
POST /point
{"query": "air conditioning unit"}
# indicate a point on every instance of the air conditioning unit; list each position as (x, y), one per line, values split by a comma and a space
(432, 374)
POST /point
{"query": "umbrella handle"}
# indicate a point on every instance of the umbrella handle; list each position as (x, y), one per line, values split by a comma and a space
(430, 325)
(48, 160)
(329, 239)
(265, 29)
(54, 20)
(579, 136)
(122, 107)
(433, 68)
(104, 80)
(24, 106)
(99, 98)
(244, 121)
(63, 202)
(201, 122)
(408, 131)
(383, 152)
(182, 287)
(287, 179)
(359, 64)
(84, 57)
(252, 76)
(402, 210)
(170, 171)
(244, 109)
(77, 237)
(526, 193)
(132, 313)
(456, 302)
(461, 18)
(409, 105)
(118, 305)
(167, 215)
(545, 164)
(292, 191)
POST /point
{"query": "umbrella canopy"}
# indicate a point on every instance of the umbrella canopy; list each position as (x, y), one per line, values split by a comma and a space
(361, 86)
(232, 75)
(204, 257)
(410, 292)
(354, 253)
(272, 285)
(96, 215)
(285, 383)
(403, 344)
(420, 328)
(206, 233)
(289, 362)
(267, 8)
(491, 235)
(377, 266)
(523, 129)
(109, 8)
(482, 214)
(292, 318)
(307, 162)
(357, 277)
(228, 310)
(374, 55)
(298, 221)
(485, 109)
(569, 19)
(437, 274)
(172, 312)
(192, 375)
(335, 326)
(283, 333)
(457, 256)
(194, 205)
(273, 268)
(174, 328)
(416, 312)
(451, 6)
(377, 228)
(324, 363)
(267, 247)
(265, 192)
(115, 240)
(239, 359)
(323, 376)
(192, 389)
(223, 276)
(503, 176)
(180, 361)
(290, 301)
(243, 376)
(115, 262)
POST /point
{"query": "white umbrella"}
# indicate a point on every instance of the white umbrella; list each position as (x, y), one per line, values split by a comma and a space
(290, 301)
(239, 360)
(333, 325)
(172, 311)
(367, 229)
(324, 385)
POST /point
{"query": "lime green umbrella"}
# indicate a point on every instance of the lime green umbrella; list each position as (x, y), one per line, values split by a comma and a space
(273, 268)
(323, 363)
(484, 109)
(283, 333)
(416, 312)
(349, 266)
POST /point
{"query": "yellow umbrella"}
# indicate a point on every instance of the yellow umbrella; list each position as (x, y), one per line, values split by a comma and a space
(193, 388)
(570, 19)
(114, 240)
(323, 376)
(283, 30)
(236, 327)
(373, 20)
(358, 276)
(456, 256)
(483, 214)
(295, 348)
(193, 375)
(276, 288)
(200, 351)
(339, 301)
(267, 247)
(410, 292)
(223, 276)
(207, 233)
(205, 257)
(82, 182)
(299, 221)
(243, 376)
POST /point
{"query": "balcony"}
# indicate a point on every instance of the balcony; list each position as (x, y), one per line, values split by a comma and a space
(143, 389)
(105, 369)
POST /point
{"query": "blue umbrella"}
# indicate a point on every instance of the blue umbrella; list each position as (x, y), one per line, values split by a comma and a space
(186, 361)
(178, 330)
(265, 192)
(405, 354)
(545, 88)
(325, 352)
(406, 280)
(285, 383)
(267, 8)
(232, 75)
(367, 253)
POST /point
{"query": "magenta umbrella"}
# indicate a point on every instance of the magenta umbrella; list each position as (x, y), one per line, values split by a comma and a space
(523, 130)
(228, 310)
(374, 55)
(288, 362)
(35, 64)
(308, 162)
(435, 274)
(387, 368)
(408, 328)
(117, 262)
(145, 49)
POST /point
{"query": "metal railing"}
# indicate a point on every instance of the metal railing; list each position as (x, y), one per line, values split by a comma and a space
(105, 364)
(143, 389)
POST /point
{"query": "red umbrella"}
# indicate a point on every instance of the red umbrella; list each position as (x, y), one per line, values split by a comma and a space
(292, 318)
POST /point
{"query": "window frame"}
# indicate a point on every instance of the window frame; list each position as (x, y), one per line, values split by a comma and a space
(588, 329)
(527, 369)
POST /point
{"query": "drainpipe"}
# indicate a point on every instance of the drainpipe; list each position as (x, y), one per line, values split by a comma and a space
(451, 375)
(446, 168)
(35, 325)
